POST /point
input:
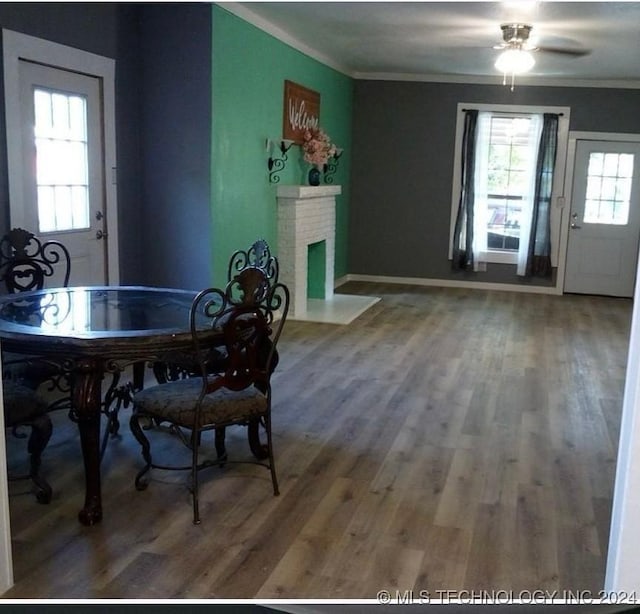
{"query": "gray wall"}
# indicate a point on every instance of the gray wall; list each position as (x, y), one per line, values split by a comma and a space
(109, 30)
(175, 44)
(402, 168)
(163, 127)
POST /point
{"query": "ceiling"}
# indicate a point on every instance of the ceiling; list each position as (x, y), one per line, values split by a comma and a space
(453, 41)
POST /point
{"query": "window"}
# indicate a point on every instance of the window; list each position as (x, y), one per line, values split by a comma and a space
(506, 152)
(61, 160)
(609, 178)
(504, 184)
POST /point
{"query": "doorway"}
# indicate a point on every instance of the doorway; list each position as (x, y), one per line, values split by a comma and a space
(63, 173)
(75, 203)
(604, 224)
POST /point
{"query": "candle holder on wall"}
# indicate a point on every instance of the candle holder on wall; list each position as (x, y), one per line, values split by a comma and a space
(331, 166)
(276, 165)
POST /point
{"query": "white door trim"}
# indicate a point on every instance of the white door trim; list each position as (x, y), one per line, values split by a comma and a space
(18, 47)
(574, 137)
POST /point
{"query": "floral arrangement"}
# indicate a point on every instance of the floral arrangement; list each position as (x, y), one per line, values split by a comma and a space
(317, 147)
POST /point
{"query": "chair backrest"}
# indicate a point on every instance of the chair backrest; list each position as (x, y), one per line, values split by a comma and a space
(250, 326)
(252, 273)
(258, 256)
(25, 261)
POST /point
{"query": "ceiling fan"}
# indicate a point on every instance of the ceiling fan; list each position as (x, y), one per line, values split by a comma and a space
(516, 57)
(516, 36)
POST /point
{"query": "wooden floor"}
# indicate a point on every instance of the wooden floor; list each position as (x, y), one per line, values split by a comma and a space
(446, 439)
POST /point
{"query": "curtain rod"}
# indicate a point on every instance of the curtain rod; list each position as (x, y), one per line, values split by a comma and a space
(511, 112)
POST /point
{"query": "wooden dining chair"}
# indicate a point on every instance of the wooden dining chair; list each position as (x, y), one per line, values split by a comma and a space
(249, 326)
(24, 408)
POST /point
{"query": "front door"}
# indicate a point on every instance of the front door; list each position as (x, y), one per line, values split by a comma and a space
(63, 178)
(602, 252)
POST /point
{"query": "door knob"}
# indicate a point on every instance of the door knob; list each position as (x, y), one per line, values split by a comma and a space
(575, 226)
(100, 235)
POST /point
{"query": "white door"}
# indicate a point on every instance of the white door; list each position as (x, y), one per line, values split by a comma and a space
(63, 178)
(602, 250)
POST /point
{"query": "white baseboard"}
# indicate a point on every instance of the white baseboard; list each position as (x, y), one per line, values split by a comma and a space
(449, 283)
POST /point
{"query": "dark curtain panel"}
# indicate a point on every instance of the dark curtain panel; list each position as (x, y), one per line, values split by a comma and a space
(539, 256)
(463, 232)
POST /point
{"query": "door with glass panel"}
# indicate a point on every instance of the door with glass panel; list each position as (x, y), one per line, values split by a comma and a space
(602, 253)
(63, 165)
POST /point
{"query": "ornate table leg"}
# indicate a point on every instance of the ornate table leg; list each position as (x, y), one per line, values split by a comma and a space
(86, 398)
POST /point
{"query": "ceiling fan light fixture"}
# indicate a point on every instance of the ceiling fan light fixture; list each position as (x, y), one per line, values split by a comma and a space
(514, 62)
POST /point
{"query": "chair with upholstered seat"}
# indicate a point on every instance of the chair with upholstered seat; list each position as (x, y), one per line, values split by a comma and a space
(24, 408)
(245, 266)
(248, 316)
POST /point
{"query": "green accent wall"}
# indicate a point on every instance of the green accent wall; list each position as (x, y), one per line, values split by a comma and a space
(249, 69)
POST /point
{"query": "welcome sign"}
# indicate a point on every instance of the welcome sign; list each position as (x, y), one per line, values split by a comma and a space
(301, 111)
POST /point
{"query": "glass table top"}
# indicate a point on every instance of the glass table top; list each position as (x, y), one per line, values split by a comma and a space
(96, 312)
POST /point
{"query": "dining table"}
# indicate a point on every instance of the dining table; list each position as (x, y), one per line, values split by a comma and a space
(89, 332)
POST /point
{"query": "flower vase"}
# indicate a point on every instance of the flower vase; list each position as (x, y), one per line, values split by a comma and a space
(314, 176)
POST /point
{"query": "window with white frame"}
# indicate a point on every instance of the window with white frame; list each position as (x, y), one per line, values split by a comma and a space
(62, 160)
(506, 149)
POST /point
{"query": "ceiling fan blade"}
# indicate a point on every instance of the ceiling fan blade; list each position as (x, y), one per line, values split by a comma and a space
(564, 51)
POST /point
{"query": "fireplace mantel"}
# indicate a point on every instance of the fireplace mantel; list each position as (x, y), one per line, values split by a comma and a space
(301, 192)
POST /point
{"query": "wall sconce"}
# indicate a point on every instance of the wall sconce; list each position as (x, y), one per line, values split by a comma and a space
(276, 165)
(332, 165)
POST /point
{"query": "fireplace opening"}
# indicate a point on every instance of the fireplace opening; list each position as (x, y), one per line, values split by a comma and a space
(316, 270)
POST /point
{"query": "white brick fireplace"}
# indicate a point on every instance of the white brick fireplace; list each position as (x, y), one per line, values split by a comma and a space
(306, 215)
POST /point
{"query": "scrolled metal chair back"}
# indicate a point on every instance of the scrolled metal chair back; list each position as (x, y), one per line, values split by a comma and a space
(258, 256)
(252, 274)
(26, 262)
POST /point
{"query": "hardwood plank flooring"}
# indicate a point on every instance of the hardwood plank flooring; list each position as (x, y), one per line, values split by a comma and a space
(446, 439)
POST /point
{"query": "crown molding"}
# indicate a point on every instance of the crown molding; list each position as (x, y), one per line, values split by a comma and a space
(521, 81)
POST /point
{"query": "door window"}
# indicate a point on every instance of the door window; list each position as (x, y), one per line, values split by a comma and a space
(609, 178)
(62, 174)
